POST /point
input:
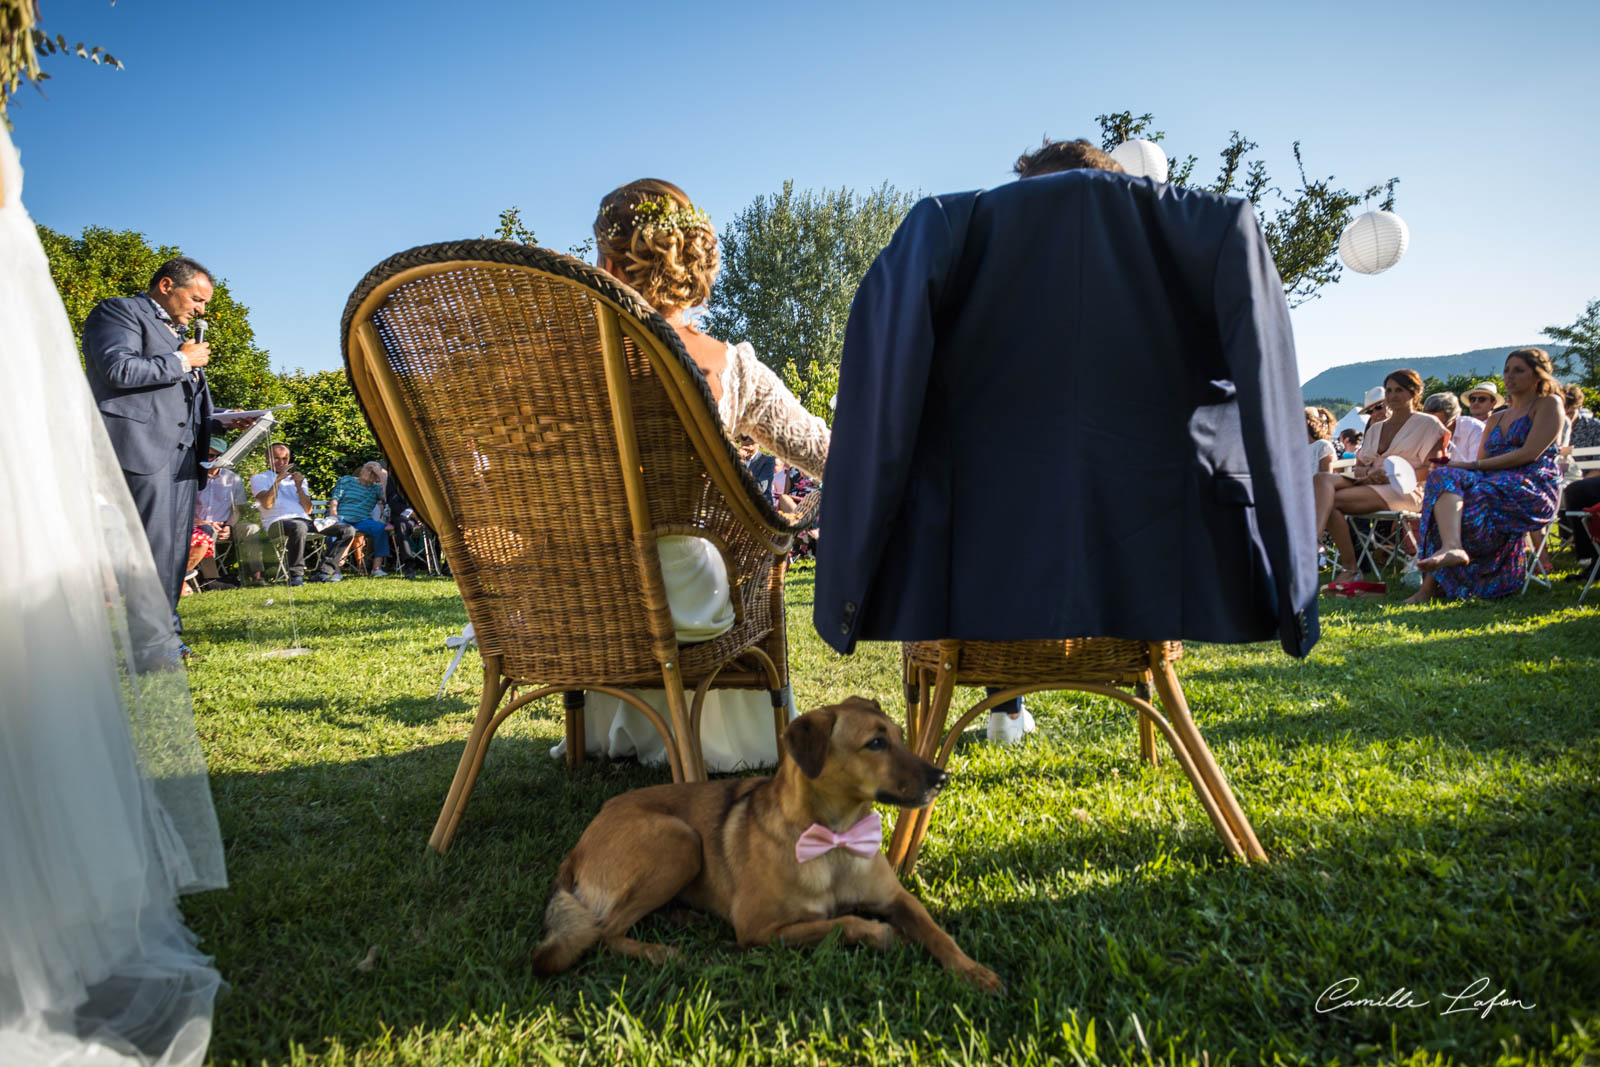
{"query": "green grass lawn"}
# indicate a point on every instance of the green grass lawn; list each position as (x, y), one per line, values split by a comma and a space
(1425, 785)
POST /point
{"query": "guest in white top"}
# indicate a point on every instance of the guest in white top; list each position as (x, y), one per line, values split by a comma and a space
(1319, 428)
(1466, 432)
(285, 503)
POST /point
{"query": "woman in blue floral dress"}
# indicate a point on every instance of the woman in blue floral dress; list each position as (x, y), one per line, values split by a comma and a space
(1476, 512)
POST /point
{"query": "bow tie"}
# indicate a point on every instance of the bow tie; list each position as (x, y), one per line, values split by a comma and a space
(863, 839)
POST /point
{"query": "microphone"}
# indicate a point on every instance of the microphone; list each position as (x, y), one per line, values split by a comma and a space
(199, 331)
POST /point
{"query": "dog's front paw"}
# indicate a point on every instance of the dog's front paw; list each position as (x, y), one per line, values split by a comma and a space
(978, 975)
(879, 935)
(657, 953)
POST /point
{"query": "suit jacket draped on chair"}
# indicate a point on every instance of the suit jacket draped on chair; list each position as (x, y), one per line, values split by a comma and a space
(1069, 407)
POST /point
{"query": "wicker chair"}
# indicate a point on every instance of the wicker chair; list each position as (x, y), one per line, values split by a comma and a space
(1121, 669)
(549, 426)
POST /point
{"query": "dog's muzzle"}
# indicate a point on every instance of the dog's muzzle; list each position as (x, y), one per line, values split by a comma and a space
(933, 780)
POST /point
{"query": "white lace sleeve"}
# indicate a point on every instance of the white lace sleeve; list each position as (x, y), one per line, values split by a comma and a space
(756, 402)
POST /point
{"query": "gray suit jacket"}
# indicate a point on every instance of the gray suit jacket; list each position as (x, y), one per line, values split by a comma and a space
(149, 404)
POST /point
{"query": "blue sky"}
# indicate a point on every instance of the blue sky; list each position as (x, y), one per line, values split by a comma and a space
(291, 145)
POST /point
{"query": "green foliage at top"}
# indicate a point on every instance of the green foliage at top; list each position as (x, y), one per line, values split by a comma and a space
(1424, 785)
(1459, 384)
(1302, 226)
(325, 427)
(23, 41)
(101, 263)
(814, 387)
(1338, 405)
(1580, 362)
(512, 228)
(791, 263)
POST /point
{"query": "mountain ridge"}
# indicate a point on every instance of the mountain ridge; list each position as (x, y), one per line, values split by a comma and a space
(1352, 380)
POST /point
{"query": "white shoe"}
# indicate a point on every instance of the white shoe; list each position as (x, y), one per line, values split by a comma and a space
(1005, 730)
(379, 572)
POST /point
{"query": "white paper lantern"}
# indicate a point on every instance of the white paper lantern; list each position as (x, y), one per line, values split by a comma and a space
(1142, 159)
(1374, 242)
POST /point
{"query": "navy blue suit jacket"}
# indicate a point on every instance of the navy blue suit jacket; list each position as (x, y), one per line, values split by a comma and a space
(149, 404)
(1069, 407)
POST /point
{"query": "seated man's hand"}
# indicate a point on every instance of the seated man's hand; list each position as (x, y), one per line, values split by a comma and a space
(235, 420)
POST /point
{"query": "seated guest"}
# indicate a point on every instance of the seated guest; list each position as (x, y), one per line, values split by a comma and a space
(216, 509)
(761, 465)
(1397, 431)
(799, 487)
(1483, 400)
(285, 504)
(405, 523)
(1580, 496)
(1585, 427)
(649, 234)
(1476, 513)
(1466, 432)
(1582, 491)
(1349, 443)
(1317, 428)
(1572, 405)
(350, 511)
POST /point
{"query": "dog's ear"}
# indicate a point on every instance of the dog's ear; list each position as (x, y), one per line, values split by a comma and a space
(807, 738)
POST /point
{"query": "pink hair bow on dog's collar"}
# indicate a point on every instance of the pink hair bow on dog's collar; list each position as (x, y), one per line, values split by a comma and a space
(863, 839)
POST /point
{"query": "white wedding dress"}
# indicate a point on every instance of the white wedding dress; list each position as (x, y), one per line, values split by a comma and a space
(105, 807)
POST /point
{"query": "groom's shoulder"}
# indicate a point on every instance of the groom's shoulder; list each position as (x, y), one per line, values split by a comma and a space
(122, 308)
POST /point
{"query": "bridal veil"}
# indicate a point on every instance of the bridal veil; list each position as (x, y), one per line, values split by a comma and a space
(105, 808)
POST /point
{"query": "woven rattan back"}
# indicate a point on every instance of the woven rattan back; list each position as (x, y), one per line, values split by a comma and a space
(483, 368)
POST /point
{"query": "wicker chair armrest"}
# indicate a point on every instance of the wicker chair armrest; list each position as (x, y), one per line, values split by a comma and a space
(810, 513)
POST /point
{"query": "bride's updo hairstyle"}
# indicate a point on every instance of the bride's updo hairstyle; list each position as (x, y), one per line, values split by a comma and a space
(663, 245)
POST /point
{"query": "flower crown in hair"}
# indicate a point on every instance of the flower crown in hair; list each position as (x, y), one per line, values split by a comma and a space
(661, 213)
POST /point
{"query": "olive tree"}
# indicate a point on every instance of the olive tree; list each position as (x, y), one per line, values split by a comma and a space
(1302, 225)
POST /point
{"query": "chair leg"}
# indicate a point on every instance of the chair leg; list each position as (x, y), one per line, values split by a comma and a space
(1147, 728)
(780, 714)
(683, 736)
(455, 802)
(911, 825)
(1233, 825)
(572, 701)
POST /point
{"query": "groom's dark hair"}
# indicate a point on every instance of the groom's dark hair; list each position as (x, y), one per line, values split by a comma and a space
(182, 270)
(1053, 156)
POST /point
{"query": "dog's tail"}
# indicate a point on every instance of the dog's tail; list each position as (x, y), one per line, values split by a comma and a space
(570, 928)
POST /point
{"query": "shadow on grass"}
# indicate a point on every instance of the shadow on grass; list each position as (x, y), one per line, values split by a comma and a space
(341, 925)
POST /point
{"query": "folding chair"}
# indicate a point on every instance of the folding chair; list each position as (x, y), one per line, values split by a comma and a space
(1536, 569)
(1397, 544)
(1594, 568)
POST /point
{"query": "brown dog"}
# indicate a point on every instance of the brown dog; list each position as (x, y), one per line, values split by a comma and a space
(729, 847)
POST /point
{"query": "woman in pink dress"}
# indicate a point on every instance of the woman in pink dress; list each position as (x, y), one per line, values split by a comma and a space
(1404, 432)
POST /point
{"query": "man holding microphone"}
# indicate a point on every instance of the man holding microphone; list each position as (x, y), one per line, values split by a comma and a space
(149, 382)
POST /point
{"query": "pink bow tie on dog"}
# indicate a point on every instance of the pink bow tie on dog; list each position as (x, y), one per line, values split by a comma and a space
(863, 839)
